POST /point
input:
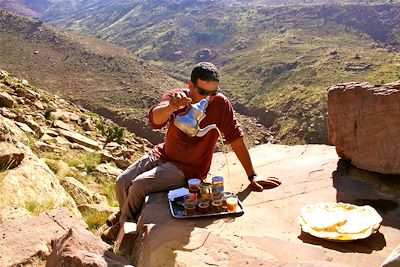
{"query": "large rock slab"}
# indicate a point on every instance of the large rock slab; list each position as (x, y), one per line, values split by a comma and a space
(79, 139)
(364, 125)
(267, 234)
(31, 183)
(79, 248)
(26, 240)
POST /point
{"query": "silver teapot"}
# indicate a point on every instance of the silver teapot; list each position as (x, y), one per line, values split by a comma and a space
(189, 121)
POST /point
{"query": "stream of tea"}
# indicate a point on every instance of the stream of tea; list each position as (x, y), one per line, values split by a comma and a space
(225, 155)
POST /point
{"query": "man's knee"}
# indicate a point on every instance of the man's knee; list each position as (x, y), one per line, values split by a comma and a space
(137, 190)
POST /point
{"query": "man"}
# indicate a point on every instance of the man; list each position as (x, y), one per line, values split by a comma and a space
(181, 157)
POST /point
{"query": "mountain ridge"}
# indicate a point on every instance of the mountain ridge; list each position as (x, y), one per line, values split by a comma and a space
(102, 77)
(277, 61)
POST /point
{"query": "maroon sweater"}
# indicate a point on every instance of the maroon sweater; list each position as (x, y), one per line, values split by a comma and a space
(193, 155)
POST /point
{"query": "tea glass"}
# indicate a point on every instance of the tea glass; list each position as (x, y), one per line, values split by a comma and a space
(190, 206)
(232, 202)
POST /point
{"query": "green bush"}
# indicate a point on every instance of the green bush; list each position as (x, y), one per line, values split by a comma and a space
(111, 133)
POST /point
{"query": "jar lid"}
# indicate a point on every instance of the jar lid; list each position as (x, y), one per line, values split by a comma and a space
(217, 179)
(194, 181)
(206, 185)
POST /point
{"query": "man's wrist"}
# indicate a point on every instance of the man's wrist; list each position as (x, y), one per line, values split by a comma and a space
(170, 109)
(251, 177)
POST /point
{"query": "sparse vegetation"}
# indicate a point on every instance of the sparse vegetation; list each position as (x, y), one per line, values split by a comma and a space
(53, 165)
(38, 207)
(108, 189)
(94, 219)
(112, 133)
(91, 160)
(47, 113)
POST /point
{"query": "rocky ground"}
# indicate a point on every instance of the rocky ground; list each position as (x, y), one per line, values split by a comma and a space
(268, 234)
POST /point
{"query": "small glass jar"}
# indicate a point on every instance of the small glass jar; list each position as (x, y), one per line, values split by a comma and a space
(216, 206)
(194, 186)
(206, 191)
(217, 186)
(203, 206)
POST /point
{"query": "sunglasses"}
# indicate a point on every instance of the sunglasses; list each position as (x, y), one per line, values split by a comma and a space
(204, 92)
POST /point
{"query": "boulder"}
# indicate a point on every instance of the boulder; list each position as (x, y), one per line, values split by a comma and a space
(30, 183)
(13, 213)
(364, 125)
(80, 193)
(79, 247)
(267, 233)
(26, 240)
(75, 137)
(10, 156)
(10, 133)
(6, 100)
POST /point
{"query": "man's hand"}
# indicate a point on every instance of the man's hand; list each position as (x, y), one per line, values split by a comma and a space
(259, 182)
(178, 101)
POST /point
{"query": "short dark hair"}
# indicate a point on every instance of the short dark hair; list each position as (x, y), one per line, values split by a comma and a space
(204, 71)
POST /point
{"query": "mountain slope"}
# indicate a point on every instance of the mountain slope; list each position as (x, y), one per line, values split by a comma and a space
(17, 7)
(89, 71)
(277, 61)
(102, 77)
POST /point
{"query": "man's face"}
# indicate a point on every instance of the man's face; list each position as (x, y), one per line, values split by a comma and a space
(202, 89)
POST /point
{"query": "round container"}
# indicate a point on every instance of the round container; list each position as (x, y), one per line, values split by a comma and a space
(190, 206)
(216, 206)
(194, 186)
(206, 191)
(217, 187)
(225, 195)
(203, 207)
(231, 203)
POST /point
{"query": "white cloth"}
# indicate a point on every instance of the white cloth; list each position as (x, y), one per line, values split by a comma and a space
(180, 192)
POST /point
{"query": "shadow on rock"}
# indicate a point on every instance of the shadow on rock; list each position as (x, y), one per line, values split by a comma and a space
(375, 242)
(360, 187)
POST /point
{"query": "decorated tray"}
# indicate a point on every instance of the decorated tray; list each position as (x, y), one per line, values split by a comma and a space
(178, 210)
(339, 221)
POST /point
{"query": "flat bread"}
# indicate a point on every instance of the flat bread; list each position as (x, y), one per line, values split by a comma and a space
(359, 219)
(339, 221)
(322, 216)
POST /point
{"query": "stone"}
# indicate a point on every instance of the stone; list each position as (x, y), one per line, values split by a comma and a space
(38, 105)
(32, 124)
(31, 182)
(80, 193)
(24, 127)
(10, 156)
(80, 248)
(394, 259)
(13, 213)
(126, 239)
(25, 239)
(6, 100)
(122, 163)
(9, 132)
(75, 137)
(7, 113)
(267, 233)
(108, 170)
(62, 125)
(88, 126)
(364, 125)
(49, 148)
(26, 93)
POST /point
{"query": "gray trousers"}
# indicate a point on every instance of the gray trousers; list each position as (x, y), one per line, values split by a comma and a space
(146, 175)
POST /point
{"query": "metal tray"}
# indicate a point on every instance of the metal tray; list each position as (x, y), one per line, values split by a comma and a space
(178, 211)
